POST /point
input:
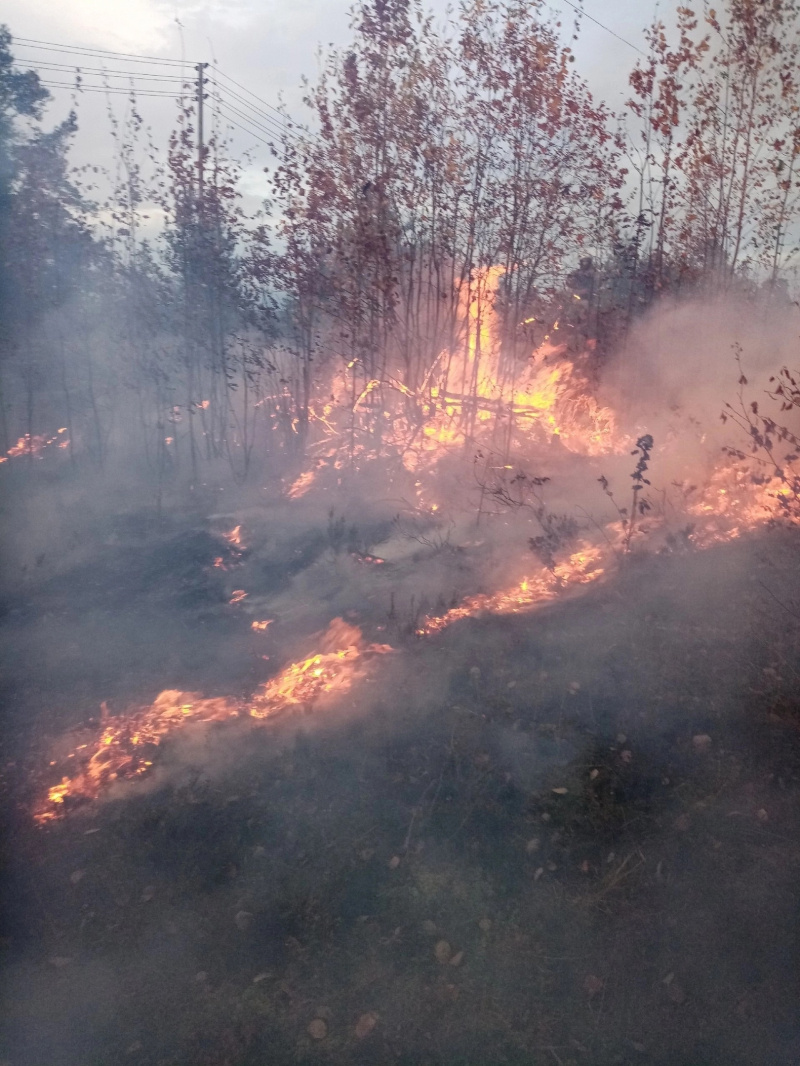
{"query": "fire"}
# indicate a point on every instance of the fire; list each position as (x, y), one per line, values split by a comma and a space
(261, 626)
(301, 485)
(331, 672)
(234, 537)
(237, 597)
(35, 444)
(733, 502)
(582, 568)
(122, 750)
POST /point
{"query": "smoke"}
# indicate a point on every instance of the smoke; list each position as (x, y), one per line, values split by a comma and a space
(579, 769)
(680, 358)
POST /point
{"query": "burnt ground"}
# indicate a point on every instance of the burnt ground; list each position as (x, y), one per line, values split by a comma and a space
(567, 837)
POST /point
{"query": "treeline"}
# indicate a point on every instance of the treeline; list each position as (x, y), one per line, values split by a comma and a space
(455, 198)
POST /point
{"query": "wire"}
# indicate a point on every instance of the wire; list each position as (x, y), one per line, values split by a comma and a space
(246, 103)
(597, 22)
(66, 68)
(54, 47)
(268, 122)
(227, 118)
(271, 107)
(261, 130)
(263, 127)
(258, 123)
(81, 88)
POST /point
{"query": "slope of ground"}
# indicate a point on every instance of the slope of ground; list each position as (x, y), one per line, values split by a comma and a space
(565, 837)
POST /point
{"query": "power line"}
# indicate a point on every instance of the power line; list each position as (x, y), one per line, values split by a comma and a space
(263, 126)
(53, 46)
(253, 127)
(66, 68)
(227, 118)
(117, 89)
(602, 26)
(269, 121)
(250, 93)
(114, 73)
(246, 103)
(254, 121)
(80, 87)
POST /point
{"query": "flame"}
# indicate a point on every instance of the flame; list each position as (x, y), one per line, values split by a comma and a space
(547, 397)
(301, 485)
(237, 597)
(35, 444)
(734, 501)
(332, 671)
(260, 626)
(582, 568)
(234, 537)
(121, 750)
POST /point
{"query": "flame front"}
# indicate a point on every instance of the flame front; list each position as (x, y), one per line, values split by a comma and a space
(551, 400)
(122, 750)
(123, 747)
(581, 568)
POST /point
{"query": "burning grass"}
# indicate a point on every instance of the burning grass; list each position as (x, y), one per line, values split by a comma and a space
(466, 398)
(123, 749)
(731, 502)
(550, 816)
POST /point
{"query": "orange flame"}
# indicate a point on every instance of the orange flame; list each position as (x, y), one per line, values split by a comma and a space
(332, 671)
(581, 568)
(301, 485)
(35, 444)
(234, 537)
(121, 751)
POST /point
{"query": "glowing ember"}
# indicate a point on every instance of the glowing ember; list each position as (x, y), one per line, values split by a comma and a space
(34, 445)
(260, 626)
(237, 597)
(301, 485)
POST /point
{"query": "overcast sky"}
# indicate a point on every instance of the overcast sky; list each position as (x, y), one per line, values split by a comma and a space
(266, 45)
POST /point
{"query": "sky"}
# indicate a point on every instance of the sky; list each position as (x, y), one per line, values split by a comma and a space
(266, 46)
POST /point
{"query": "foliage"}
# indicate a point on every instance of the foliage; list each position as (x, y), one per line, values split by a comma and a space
(774, 445)
(456, 198)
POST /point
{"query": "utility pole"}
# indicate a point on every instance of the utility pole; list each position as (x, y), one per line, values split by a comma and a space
(200, 68)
